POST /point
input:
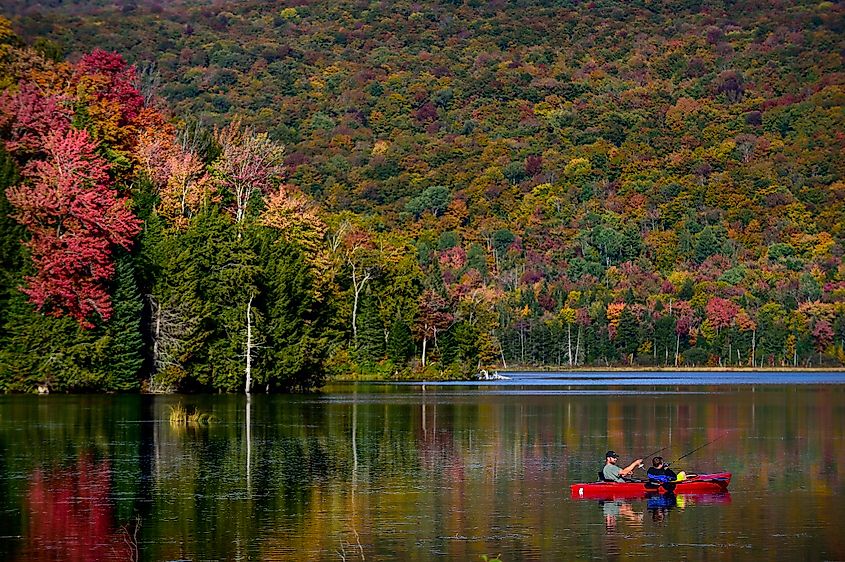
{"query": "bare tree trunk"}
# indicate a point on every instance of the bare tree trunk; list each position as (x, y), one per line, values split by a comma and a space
(248, 346)
(357, 288)
(168, 330)
(677, 347)
(425, 341)
(156, 350)
(578, 346)
(753, 348)
(522, 345)
(569, 341)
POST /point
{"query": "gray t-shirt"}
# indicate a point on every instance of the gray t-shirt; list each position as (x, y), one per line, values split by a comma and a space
(613, 473)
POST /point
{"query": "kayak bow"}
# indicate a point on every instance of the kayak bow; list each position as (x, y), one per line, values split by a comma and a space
(694, 484)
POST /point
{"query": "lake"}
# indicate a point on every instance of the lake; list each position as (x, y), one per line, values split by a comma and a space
(417, 472)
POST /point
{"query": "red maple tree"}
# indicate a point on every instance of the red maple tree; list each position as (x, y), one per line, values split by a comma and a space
(721, 312)
(75, 218)
(28, 116)
(108, 77)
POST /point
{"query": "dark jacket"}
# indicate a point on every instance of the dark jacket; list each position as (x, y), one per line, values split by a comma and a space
(660, 475)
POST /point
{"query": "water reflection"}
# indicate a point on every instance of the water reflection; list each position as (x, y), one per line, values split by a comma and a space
(615, 509)
(385, 473)
(659, 505)
(70, 516)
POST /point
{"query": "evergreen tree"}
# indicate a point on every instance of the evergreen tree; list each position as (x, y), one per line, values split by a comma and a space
(627, 335)
(228, 270)
(295, 338)
(447, 346)
(179, 319)
(124, 331)
(687, 290)
(11, 233)
(477, 259)
(371, 344)
(467, 343)
(664, 336)
(41, 350)
(709, 243)
(400, 342)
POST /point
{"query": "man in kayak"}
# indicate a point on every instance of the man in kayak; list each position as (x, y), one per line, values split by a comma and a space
(659, 474)
(612, 473)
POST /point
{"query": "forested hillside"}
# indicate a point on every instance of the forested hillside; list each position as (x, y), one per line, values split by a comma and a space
(330, 187)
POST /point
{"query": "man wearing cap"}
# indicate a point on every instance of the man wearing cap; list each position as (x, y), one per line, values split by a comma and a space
(612, 473)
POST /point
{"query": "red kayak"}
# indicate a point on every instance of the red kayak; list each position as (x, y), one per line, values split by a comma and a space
(694, 484)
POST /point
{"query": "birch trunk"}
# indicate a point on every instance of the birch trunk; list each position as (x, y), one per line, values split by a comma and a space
(677, 347)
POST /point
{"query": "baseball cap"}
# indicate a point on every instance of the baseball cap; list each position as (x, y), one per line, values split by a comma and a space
(613, 454)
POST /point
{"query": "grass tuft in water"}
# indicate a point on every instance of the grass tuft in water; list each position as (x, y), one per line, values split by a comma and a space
(180, 415)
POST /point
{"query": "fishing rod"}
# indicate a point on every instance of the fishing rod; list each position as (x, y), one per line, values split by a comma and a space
(655, 452)
(697, 449)
(652, 454)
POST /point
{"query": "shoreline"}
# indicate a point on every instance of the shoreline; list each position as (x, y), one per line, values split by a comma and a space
(621, 370)
(676, 370)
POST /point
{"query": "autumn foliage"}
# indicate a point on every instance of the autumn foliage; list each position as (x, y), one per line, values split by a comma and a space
(75, 218)
(574, 184)
(67, 200)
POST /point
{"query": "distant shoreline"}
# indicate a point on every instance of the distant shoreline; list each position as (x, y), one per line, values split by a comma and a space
(417, 377)
(676, 370)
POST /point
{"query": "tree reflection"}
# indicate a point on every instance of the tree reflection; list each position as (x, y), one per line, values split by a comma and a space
(405, 475)
(70, 515)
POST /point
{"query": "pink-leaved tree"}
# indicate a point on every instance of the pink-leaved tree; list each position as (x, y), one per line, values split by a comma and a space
(75, 219)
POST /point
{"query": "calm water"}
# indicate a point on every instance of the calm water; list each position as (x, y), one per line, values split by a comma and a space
(398, 472)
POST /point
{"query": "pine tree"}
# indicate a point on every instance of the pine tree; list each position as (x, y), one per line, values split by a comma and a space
(467, 343)
(11, 233)
(124, 331)
(400, 342)
(295, 340)
(43, 350)
(710, 242)
(371, 345)
(627, 336)
(228, 270)
(179, 319)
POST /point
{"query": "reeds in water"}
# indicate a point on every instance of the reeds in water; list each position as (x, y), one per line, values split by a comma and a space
(180, 415)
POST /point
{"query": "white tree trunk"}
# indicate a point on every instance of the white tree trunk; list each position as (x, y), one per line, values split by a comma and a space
(578, 347)
(156, 351)
(569, 342)
(425, 341)
(677, 347)
(753, 348)
(357, 288)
